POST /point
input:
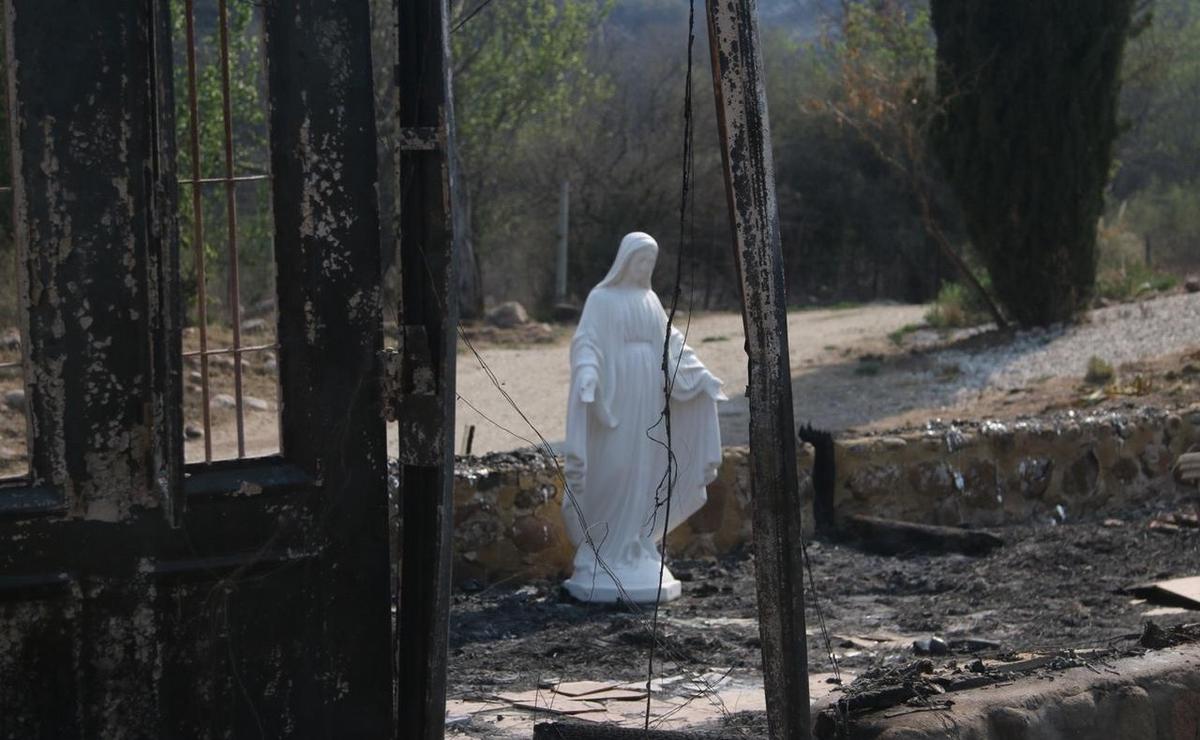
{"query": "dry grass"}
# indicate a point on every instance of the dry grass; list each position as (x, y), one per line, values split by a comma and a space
(1099, 371)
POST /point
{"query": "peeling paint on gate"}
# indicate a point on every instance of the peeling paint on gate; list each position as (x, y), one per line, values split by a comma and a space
(119, 615)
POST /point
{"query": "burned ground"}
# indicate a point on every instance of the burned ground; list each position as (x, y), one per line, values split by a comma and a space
(1052, 586)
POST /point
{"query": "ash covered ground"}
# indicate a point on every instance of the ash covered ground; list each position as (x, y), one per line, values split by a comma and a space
(1051, 586)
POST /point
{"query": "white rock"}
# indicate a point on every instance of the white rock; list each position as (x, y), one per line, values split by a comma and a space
(254, 326)
(15, 400)
(507, 315)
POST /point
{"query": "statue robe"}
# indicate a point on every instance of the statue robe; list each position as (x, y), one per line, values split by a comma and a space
(616, 455)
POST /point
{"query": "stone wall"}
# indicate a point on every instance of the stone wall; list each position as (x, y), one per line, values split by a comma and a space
(989, 473)
(1155, 695)
(509, 515)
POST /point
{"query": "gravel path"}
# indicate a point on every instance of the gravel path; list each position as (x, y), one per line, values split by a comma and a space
(973, 376)
(1118, 334)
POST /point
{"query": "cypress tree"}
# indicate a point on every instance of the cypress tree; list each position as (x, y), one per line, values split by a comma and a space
(1026, 133)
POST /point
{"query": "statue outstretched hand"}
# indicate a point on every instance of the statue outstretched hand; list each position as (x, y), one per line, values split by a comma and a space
(712, 386)
(587, 384)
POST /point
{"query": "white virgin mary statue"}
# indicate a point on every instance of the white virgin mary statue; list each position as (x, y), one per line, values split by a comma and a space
(616, 448)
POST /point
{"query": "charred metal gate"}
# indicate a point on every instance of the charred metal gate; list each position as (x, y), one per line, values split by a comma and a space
(251, 598)
(239, 599)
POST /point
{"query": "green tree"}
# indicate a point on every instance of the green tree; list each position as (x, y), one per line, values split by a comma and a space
(1160, 99)
(520, 71)
(1026, 137)
(247, 95)
(1156, 188)
(884, 58)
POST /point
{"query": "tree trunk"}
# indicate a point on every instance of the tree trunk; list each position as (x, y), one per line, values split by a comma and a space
(1026, 137)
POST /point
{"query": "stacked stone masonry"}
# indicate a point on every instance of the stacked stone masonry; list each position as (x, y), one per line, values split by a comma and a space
(509, 513)
(1155, 696)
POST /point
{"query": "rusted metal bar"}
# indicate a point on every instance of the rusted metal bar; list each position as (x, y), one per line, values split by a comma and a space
(750, 187)
(7, 190)
(198, 223)
(230, 350)
(235, 318)
(424, 395)
(219, 180)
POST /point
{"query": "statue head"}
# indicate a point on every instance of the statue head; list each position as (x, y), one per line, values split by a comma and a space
(634, 263)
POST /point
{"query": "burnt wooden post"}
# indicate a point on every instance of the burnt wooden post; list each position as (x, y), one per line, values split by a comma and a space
(89, 225)
(422, 393)
(327, 241)
(750, 187)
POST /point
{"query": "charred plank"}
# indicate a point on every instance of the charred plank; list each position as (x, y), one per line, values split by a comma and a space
(891, 537)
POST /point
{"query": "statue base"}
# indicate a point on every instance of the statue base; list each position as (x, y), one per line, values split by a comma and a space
(640, 585)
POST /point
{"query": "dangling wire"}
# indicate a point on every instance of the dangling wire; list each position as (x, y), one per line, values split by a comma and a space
(478, 9)
(668, 375)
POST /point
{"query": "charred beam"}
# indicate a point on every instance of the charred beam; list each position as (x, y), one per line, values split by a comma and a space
(423, 387)
(891, 537)
(750, 187)
(323, 159)
(580, 731)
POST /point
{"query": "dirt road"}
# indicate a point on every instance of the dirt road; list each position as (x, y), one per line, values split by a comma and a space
(851, 370)
(536, 377)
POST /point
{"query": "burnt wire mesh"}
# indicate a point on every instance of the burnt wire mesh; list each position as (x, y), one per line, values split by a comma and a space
(226, 231)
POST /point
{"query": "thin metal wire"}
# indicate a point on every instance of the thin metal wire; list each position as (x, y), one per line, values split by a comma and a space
(198, 226)
(231, 225)
(668, 375)
(479, 8)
